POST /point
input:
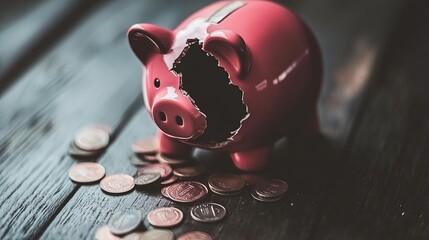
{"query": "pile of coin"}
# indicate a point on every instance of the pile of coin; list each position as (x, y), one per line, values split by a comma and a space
(90, 141)
(270, 190)
(175, 176)
(226, 184)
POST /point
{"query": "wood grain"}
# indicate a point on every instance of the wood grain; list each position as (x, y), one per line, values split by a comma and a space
(86, 79)
(28, 29)
(381, 186)
(294, 217)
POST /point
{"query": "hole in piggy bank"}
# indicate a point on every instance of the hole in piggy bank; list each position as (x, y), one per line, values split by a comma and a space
(210, 89)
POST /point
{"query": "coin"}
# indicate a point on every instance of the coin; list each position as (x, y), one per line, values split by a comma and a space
(169, 181)
(264, 199)
(157, 234)
(77, 152)
(164, 192)
(190, 171)
(136, 161)
(208, 212)
(145, 146)
(103, 233)
(123, 222)
(224, 193)
(226, 183)
(188, 191)
(195, 235)
(272, 188)
(165, 217)
(162, 169)
(148, 158)
(170, 160)
(117, 183)
(92, 139)
(86, 172)
(146, 179)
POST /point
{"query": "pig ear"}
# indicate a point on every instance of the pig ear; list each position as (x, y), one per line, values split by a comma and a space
(229, 47)
(147, 40)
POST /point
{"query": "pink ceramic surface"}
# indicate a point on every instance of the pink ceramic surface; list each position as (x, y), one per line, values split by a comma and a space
(234, 76)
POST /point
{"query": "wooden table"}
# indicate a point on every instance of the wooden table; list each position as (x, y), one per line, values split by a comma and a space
(67, 64)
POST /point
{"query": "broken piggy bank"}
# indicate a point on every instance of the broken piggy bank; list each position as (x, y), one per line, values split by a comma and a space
(235, 76)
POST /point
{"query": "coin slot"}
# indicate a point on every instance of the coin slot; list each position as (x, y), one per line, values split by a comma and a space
(212, 92)
(179, 120)
(162, 116)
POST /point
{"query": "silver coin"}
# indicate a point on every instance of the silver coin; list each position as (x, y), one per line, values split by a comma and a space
(146, 179)
(265, 199)
(272, 188)
(208, 212)
(157, 234)
(136, 161)
(92, 139)
(77, 152)
(123, 222)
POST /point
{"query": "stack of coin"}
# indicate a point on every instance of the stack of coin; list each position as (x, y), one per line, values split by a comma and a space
(226, 184)
(189, 171)
(270, 190)
(185, 192)
(146, 149)
(90, 141)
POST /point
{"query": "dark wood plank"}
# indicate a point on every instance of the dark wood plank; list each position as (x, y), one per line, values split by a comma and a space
(381, 186)
(85, 79)
(306, 171)
(29, 28)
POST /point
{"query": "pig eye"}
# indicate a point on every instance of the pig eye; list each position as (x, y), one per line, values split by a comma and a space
(157, 83)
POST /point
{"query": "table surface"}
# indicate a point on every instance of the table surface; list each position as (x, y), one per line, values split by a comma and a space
(67, 64)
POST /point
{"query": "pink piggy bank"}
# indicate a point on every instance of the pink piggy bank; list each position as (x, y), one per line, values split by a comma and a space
(235, 76)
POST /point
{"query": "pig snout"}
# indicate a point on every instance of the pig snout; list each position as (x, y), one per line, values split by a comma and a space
(176, 116)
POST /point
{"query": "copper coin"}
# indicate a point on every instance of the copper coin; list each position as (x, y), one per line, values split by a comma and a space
(226, 183)
(92, 139)
(117, 183)
(146, 179)
(208, 212)
(103, 233)
(157, 234)
(149, 158)
(123, 222)
(161, 169)
(265, 199)
(77, 152)
(170, 160)
(190, 171)
(195, 235)
(165, 217)
(186, 192)
(145, 146)
(164, 192)
(271, 188)
(86, 172)
(224, 193)
(169, 180)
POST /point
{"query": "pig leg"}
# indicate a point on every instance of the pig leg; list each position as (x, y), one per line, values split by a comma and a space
(173, 147)
(252, 160)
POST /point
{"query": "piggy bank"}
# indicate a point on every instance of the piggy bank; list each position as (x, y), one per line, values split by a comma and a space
(235, 76)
